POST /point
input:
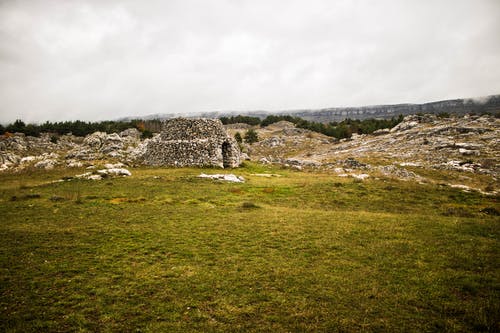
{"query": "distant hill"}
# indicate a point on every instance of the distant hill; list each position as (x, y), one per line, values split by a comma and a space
(490, 104)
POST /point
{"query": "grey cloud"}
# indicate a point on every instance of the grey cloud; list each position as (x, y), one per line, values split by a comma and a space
(96, 60)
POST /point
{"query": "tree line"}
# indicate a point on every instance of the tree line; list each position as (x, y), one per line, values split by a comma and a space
(77, 127)
(339, 130)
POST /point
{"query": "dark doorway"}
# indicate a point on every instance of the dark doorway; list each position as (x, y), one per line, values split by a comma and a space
(226, 155)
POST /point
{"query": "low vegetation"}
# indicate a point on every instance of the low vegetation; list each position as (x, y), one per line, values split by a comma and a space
(78, 127)
(343, 129)
(339, 130)
(165, 251)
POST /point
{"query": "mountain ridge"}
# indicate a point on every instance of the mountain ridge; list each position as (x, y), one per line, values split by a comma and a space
(460, 106)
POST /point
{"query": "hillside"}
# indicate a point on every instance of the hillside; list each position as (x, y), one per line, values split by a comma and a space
(489, 104)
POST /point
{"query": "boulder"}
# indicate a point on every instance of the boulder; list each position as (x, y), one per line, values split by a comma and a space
(225, 177)
(115, 172)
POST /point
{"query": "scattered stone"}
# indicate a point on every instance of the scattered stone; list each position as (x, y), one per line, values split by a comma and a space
(465, 188)
(114, 166)
(411, 164)
(361, 176)
(351, 163)
(46, 164)
(295, 162)
(273, 142)
(400, 173)
(382, 131)
(104, 173)
(468, 152)
(225, 177)
(84, 175)
(74, 164)
(28, 159)
(115, 172)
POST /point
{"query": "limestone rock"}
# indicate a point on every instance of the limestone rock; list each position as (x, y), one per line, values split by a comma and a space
(226, 177)
(302, 162)
(46, 164)
(131, 133)
(115, 172)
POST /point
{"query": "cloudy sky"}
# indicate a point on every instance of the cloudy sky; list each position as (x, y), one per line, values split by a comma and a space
(95, 60)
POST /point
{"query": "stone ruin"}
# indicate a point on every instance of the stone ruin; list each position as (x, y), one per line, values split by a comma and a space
(192, 142)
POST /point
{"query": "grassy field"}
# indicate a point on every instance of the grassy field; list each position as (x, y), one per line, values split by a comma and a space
(164, 251)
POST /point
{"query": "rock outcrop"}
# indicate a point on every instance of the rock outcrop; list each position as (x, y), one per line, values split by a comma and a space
(468, 145)
(18, 151)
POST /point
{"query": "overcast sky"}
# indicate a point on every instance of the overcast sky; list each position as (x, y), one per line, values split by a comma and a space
(95, 60)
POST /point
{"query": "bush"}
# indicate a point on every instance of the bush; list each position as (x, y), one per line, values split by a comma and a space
(238, 137)
(146, 134)
(251, 136)
(249, 205)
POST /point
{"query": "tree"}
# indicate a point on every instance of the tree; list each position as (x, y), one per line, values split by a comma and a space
(251, 136)
(146, 134)
(17, 126)
(238, 137)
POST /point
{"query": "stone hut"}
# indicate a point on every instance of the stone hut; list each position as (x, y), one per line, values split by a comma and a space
(193, 142)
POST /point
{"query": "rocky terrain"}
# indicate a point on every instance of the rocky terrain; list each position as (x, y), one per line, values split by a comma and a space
(18, 151)
(457, 151)
(421, 145)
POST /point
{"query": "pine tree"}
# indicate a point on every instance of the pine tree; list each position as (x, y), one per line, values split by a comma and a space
(251, 136)
(238, 137)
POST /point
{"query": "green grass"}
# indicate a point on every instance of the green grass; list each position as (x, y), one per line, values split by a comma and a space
(164, 251)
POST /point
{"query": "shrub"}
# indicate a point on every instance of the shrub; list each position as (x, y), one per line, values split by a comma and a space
(238, 137)
(249, 205)
(146, 134)
(251, 136)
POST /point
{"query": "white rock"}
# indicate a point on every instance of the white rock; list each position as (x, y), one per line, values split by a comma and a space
(465, 188)
(413, 164)
(28, 159)
(46, 164)
(468, 152)
(225, 177)
(84, 175)
(361, 176)
(114, 166)
(115, 172)
(131, 132)
(74, 164)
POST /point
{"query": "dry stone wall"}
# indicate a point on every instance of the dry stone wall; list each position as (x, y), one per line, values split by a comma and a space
(192, 142)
